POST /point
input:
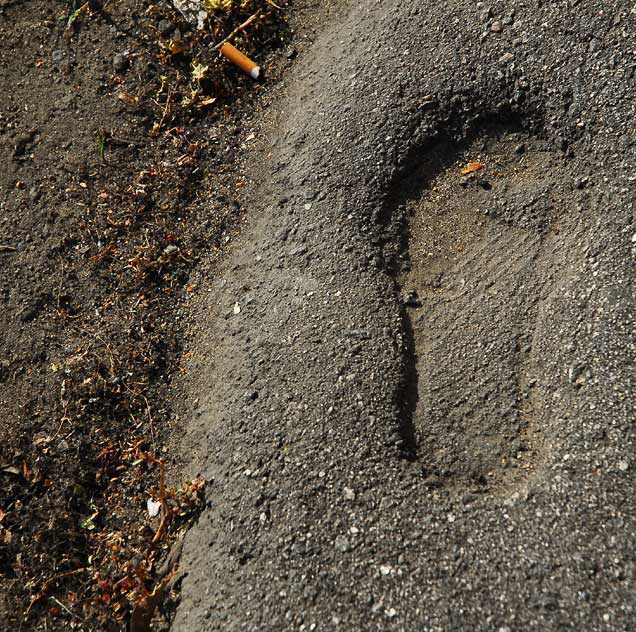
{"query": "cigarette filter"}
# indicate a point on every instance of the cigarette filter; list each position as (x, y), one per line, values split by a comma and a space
(243, 62)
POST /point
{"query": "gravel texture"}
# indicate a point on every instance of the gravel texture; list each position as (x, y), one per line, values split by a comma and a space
(462, 458)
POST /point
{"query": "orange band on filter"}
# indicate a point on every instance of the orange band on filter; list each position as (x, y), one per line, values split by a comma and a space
(243, 62)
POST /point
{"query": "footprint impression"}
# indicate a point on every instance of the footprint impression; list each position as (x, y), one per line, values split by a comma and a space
(484, 252)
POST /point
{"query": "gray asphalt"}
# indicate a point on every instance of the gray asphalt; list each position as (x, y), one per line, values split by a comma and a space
(463, 460)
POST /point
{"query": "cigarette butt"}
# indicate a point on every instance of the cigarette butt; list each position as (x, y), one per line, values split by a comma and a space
(243, 62)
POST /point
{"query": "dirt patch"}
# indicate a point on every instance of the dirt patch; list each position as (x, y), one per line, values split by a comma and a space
(119, 131)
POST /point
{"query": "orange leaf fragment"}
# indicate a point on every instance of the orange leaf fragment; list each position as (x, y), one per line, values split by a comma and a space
(471, 167)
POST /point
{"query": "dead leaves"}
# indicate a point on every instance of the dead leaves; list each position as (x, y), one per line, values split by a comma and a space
(5, 535)
(29, 474)
(472, 167)
(49, 584)
(145, 608)
(121, 576)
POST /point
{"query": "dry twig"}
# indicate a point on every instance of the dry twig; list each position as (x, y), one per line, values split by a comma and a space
(239, 28)
(49, 584)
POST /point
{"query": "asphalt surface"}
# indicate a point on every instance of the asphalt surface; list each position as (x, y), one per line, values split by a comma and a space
(420, 411)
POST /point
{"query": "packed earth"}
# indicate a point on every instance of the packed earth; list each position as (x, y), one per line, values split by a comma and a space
(121, 135)
(348, 347)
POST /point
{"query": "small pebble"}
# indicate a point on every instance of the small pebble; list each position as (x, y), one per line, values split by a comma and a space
(165, 27)
(496, 27)
(349, 494)
(120, 62)
(342, 544)
(411, 299)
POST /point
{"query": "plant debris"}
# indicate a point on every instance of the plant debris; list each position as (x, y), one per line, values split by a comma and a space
(87, 513)
(472, 167)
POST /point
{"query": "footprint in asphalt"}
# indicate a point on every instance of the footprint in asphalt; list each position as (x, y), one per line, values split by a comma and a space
(484, 251)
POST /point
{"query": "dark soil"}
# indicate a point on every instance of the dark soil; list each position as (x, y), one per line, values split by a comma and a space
(409, 391)
(120, 173)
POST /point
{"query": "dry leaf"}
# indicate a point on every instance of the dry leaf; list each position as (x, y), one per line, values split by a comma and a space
(199, 70)
(201, 103)
(471, 167)
(145, 607)
(127, 98)
(176, 47)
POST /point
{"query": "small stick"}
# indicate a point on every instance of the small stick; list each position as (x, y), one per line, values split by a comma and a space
(245, 24)
(4, 248)
(61, 605)
(48, 584)
(167, 514)
(150, 422)
(145, 608)
(123, 141)
(156, 128)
